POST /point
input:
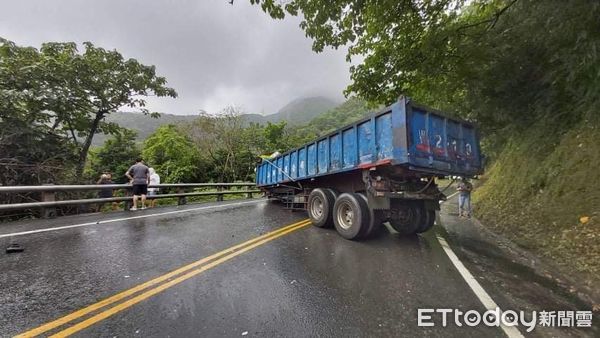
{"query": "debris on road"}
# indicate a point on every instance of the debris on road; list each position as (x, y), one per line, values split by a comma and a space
(13, 248)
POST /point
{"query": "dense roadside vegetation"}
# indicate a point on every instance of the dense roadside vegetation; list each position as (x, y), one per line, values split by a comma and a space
(215, 148)
(527, 72)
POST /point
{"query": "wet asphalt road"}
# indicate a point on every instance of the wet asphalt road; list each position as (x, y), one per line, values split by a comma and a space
(309, 282)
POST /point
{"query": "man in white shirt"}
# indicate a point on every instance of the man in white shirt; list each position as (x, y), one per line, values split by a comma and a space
(154, 180)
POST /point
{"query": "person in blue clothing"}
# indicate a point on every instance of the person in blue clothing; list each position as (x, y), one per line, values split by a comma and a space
(464, 198)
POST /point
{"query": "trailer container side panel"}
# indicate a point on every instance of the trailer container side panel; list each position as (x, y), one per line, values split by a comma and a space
(365, 135)
(312, 159)
(383, 136)
(268, 171)
(420, 140)
(436, 137)
(471, 147)
(409, 135)
(286, 166)
(280, 171)
(349, 150)
(335, 152)
(322, 156)
(453, 132)
(302, 163)
(439, 143)
(294, 164)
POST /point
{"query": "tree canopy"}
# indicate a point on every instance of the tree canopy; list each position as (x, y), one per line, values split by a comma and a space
(173, 155)
(115, 156)
(60, 90)
(501, 63)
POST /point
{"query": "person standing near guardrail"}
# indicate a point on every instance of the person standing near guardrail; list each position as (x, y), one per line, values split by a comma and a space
(106, 192)
(154, 180)
(139, 176)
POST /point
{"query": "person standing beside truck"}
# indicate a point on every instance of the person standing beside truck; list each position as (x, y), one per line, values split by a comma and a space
(464, 198)
(139, 176)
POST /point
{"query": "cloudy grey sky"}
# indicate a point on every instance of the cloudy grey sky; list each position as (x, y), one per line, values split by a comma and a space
(212, 53)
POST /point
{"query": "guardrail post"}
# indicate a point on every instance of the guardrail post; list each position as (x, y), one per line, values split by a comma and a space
(181, 200)
(48, 196)
(249, 193)
(219, 196)
(127, 203)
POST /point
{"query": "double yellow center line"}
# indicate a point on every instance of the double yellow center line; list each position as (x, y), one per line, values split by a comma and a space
(154, 286)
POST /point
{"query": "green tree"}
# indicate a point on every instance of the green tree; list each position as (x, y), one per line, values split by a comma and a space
(173, 156)
(116, 155)
(227, 144)
(276, 136)
(71, 91)
(505, 64)
(32, 150)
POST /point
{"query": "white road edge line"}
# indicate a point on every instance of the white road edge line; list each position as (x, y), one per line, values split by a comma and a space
(482, 295)
(124, 219)
(452, 195)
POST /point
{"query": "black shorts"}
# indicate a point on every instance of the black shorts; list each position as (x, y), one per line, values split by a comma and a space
(140, 189)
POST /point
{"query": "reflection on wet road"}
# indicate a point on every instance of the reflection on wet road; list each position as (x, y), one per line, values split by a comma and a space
(304, 282)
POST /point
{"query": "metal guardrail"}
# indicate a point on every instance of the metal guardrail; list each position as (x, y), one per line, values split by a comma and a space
(48, 198)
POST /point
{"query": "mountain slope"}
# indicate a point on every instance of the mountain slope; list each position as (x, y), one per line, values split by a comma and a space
(302, 110)
(297, 112)
(144, 125)
(346, 113)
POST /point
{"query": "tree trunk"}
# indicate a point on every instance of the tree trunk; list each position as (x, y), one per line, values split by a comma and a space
(85, 148)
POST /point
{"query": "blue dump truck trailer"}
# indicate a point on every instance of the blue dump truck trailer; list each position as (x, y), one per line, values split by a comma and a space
(379, 169)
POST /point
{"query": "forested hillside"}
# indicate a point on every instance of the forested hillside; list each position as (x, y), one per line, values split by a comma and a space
(143, 125)
(297, 112)
(300, 111)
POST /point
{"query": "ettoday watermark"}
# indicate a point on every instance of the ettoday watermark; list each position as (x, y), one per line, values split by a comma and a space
(497, 318)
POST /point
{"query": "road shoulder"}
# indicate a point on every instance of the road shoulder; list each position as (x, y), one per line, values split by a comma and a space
(516, 278)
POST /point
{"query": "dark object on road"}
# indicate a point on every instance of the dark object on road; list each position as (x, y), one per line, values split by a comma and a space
(13, 248)
(379, 169)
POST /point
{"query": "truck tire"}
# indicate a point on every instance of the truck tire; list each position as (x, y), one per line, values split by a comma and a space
(351, 215)
(428, 220)
(320, 207)
(375, 223)
(406, 217)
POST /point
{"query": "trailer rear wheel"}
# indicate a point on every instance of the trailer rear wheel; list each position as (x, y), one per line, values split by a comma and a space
(351, 215)
(320, 207)
(375, 224)
(428, 220)
(376, 219)
(405, 217)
